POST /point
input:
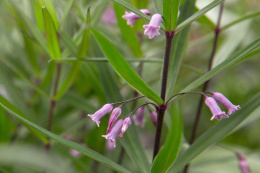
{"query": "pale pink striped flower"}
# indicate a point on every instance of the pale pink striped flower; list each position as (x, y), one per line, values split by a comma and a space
(215, 109)
(153, 27)
(101, 112)
(132, 17)
(115, 131)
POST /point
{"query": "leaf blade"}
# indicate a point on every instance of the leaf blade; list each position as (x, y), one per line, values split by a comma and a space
(84, 150)
(51, 34)
(123, 69)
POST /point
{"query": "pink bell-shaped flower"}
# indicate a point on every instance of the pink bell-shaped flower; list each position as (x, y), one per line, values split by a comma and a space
(115, 131)
(153, 117)
(114, 116)
(153, 27)
(215, 109)
(221, 99)
(132, 17)
(139, 117)
(126, 123)
(101, 112)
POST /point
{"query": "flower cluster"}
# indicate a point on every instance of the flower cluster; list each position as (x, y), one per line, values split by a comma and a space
(152, 29)
(212, 103)
(117, 128)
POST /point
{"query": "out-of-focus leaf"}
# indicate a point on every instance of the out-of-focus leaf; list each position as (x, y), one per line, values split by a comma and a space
(197, 15)
(246, 17)
(7, 105)
(28, 157)
(82, 149)
(49, 5)
(51, 34)
(204, 19)
(81, 54)
(179, 46)
(123, 69)
(19, 73)
(231, 60)
(66, 12)
(4, 129)
(131, 8)
(169, 152)
(34, 30)
(170, 13)
(158, 5)
(38, 15)
(127, 32)
(140, 4)
(216, 133)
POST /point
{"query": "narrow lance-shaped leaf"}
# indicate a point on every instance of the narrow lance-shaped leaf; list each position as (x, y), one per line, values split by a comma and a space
(8, 105)
(127, 32)
(51, 34)
(80, 54)
(170, 13)
(123, 69)
(82, 149)
(49, 5)
(216, 133)
(204, 19)
(197, 15)
(169, 152)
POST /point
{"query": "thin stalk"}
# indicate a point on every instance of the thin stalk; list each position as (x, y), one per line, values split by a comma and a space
(206, 84)
(162, 108)
(53, 102)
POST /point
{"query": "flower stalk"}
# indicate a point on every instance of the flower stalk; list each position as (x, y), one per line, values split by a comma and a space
(163, 107)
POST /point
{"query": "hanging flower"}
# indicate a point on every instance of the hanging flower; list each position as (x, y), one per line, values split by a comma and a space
(126, 123)
(153, 117)
(215, 109)
(221, 99)
(132, 17)
(101, 112)
(153, 27)
(243, 164)
(115, 114)
(139, 117)
(115, 131)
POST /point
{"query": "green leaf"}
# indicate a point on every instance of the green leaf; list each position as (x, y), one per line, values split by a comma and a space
(34, 30)
(179, 46)
(204, 19)
(132, 8)
(82, 149)
(216, 133)
(127, 32)
(8, 106)
(170, 13)
(197, 15)
(49, 5)
(4, 129)
(158, 5)
(231, 60)
(66, 11)
(19, 73)
(51, 34)
(123, 69)
(169, 152)
(80, 54)
(131, 142)
(246, 17)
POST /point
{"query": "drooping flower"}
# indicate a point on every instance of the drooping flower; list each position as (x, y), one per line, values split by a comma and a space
(153, 27)
(153, 117)
(132, 17)
(109, 145)
(126, 123)
(115, 131)
(139, 117)
(101, 112)
(221, 99)
(215, 109)
(243, 164)
(115, 114)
